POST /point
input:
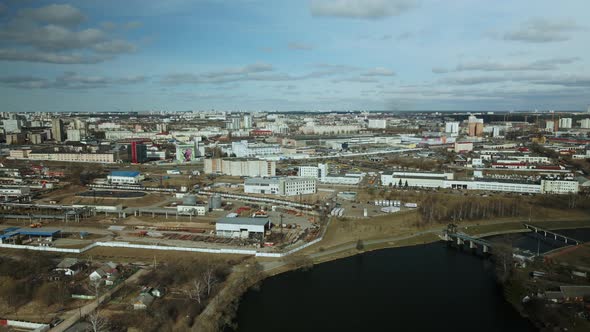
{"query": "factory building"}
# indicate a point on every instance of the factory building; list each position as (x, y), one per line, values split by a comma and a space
(125, 177)
(559, 187)
(284, 186)
(320, 172)
(439, 180)
(243, 228)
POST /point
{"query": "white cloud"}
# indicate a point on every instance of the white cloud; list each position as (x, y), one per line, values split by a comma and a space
(50, 57)
(68, 80)
(362, 9)
(300, 46)
(379, 71)
(541, 30)
(53, 14)
(53, 34)
(491, 66)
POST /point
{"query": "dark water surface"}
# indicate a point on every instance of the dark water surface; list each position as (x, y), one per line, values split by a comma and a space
(422, 288)
(533, 242)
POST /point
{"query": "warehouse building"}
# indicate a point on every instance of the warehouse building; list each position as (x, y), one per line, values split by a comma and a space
(9, 192)
(125, 177)
(439, 180)
(320, 172)
(10, 234)
(243, 228)
(284, 186)
(415, 179)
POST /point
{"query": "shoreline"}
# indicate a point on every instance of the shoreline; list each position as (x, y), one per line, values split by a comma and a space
(321, 255)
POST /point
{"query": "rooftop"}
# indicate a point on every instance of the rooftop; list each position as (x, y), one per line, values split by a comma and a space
(244, 221)
(125, 173)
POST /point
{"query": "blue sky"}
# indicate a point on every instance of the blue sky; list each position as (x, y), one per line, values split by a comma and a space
(294, 55)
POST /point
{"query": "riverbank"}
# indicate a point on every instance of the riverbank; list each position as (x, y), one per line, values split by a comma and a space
(320, 253)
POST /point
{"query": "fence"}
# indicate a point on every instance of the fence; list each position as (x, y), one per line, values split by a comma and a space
(259, 199)
(168, 248)
(24, 325)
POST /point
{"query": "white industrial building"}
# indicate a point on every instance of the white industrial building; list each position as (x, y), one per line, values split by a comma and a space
(312, 128)
(125, 177)
(428, 180)
(240, 167)
(463, 147)
(559, 187)
(14, 192)
(320, 172)
(283, 186)
(443, 180)
(193, 210)
(245, 149)
(377, 124)
(242, 227)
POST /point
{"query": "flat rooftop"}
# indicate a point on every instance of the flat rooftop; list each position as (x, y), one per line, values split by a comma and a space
(244, 221)
(130, 174)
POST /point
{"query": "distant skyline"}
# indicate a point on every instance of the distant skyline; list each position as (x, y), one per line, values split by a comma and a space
(138, 55)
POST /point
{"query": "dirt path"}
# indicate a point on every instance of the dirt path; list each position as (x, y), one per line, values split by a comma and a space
(76, 314)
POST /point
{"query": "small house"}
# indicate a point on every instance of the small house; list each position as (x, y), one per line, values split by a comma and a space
(70, 266)
(143, 301)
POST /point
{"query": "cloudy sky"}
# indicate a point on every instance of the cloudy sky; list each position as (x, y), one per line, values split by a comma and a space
(294, 55)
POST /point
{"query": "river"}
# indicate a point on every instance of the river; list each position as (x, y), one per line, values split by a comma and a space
(422, 288)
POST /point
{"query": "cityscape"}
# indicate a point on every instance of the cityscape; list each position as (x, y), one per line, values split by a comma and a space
(304, 176)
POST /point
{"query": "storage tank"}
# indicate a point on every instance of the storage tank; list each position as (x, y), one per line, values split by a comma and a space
(189, 200)
(215, 201)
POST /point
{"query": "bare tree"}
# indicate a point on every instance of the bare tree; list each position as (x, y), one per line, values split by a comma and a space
(504, 258)
(209, 278)
(95, 287)
(195, 290)
(98, 323)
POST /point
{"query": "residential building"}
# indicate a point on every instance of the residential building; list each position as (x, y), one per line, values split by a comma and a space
(475, 126)
(240, 167)
(75, 135)
(452, 128)
(585, 123)
(565, 123)
(247, 122)
(15, 139)
(102, 158)
(549, 125)
(36, 139)
(57, 130)
(12, 126)
(138, 152)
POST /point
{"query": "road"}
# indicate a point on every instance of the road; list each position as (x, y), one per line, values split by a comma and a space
(74, 315)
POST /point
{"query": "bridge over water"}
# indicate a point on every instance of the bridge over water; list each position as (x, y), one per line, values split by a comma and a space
(551, 234)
